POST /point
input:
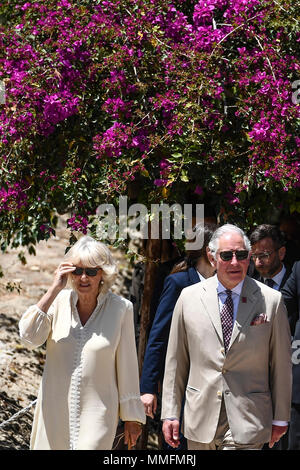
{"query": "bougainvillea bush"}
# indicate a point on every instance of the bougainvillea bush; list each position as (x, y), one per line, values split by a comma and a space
(157, 100)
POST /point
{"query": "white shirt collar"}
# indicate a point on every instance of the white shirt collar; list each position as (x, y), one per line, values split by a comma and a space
(279, 276)
(100, 298)
(200, 276)
(236, 290)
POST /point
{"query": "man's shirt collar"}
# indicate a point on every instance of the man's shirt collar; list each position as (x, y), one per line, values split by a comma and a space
(236, 290)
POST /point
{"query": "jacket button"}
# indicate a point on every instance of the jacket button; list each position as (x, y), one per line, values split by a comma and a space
(223, 351)
(219, 394)
(227, 392)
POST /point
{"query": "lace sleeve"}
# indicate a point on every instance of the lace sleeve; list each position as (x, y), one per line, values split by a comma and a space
(131, 406)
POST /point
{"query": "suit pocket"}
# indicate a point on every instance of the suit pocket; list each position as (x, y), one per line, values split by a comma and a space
(261, 329)
(193, 389)
(257, 409)
(193, 401)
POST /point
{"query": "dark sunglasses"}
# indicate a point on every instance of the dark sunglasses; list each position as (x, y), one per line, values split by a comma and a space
(239, 254)
(88, 271)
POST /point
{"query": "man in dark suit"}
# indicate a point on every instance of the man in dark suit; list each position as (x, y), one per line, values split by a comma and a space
(268, 253)
(195, 268)
(291, 296)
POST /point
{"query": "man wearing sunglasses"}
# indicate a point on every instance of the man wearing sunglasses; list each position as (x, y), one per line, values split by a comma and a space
(229, 355)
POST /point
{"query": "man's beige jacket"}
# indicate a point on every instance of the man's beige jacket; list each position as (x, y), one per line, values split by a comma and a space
(254, 377)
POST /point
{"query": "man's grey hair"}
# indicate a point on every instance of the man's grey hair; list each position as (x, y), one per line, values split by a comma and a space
(227, 228)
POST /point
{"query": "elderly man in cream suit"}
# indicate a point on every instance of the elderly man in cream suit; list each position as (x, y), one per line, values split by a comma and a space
(229, 356)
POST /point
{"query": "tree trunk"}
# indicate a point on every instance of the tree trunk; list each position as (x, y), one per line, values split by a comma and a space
(153, 255)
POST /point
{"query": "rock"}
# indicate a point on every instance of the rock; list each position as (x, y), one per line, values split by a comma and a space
(35, 268)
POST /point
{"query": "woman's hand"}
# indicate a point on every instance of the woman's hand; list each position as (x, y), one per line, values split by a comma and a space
(61, 275)
(133, 431)
(59, 282)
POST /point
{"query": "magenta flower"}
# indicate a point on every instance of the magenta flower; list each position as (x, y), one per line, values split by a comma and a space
(116, 106)
(199, 190)
(160, 182)
(232, 199)
(78, 223)
(260, 130)
(13, 198)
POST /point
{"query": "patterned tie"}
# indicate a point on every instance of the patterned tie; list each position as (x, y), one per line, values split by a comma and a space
(227, 319)
(269, 282)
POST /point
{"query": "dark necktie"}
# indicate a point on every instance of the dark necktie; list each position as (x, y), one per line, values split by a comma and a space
(269, 282)
(227, 319)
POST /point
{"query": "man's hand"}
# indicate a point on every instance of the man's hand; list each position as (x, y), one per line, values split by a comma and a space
(277, 433)
(171, 432)
(150, 403)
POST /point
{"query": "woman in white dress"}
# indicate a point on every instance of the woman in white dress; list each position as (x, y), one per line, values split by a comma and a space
(90, 379)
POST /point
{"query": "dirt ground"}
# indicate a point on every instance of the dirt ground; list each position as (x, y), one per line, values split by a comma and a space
(21, 368)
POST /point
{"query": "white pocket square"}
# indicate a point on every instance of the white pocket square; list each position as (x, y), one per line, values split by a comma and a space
(259, 319)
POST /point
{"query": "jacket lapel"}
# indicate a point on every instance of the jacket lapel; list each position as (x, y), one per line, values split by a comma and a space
(246, 305)
(248, 299)
(193, 276)
(285, 277)
(210, 302)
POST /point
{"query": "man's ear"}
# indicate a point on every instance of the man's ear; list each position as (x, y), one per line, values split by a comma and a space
(211, 258)
(281, 253)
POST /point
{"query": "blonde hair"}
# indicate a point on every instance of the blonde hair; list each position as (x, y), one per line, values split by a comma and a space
(92, 254)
